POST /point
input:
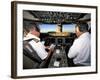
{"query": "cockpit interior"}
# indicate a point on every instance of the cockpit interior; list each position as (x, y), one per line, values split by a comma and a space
(56, 28)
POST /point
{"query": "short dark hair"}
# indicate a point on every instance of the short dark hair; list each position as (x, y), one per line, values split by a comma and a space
(83, 26)
(31, 26)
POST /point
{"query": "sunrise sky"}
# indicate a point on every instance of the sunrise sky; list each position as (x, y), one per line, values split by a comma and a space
(52, 27)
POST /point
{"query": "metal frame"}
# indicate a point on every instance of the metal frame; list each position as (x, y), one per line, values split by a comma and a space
(14, 37)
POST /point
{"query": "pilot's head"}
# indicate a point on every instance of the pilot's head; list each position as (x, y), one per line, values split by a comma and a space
(34, 29)
(81, 27)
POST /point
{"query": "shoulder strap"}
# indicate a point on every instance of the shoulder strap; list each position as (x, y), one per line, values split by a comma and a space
(30, 52)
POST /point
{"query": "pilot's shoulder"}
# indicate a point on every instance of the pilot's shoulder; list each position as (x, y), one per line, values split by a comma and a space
(36, 40)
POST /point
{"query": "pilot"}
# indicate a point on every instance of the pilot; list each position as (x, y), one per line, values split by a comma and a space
(80, 51)
(33, 35)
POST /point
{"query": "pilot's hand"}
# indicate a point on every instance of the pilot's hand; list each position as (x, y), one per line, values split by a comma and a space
(48, 49)
(52, 46)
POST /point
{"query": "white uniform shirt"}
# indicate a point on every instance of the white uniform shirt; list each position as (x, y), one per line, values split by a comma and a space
(37, 46)
(80, 51)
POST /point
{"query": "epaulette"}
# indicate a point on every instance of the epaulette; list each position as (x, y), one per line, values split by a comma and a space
(36, 40)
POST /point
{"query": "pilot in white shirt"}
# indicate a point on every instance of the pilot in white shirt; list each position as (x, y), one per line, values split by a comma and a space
(37, 46)
(34, 33)
(80, 51)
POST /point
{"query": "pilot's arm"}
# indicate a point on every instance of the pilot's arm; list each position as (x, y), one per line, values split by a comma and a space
(74, 49)
(40, 49)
